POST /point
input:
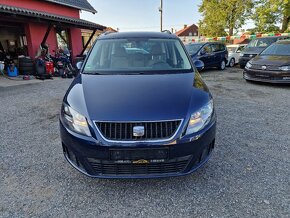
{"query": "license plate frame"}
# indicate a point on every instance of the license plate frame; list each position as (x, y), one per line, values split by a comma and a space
(139, 153)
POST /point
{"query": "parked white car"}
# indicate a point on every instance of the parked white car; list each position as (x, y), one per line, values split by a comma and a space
(234, 53)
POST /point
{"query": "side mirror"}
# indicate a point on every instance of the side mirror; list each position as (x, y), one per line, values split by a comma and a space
(199, 65)
(79, 65)
(202, 52)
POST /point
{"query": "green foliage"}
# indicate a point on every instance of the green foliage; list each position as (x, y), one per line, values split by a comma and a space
(219, 15)
(269, 13)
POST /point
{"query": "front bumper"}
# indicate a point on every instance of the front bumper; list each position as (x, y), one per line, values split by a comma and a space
(266, 76)
(94, 159)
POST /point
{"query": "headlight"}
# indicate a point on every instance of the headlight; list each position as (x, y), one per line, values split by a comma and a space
(248, 65)
(200, 119)
(75, 121)
(285, 68)
(241, 54)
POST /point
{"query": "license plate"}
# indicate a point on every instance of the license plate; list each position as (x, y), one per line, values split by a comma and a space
(139, 154)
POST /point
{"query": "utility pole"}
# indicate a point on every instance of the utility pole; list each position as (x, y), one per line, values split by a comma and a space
(161, 13)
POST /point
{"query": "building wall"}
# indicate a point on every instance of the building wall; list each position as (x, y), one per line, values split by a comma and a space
(76, 41)
(43, 6)
(34, 35)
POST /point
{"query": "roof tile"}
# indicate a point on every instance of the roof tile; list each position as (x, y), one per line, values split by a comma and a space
(79, 4)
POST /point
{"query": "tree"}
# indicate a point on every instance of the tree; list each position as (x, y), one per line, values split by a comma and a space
(219, 15)
(270, 13)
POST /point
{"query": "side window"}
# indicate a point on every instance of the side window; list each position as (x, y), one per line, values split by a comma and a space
(241, 48)
(218, 47)
(207, 49)
(214, 47)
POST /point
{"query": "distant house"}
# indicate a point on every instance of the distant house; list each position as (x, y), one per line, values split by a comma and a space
(188, 33)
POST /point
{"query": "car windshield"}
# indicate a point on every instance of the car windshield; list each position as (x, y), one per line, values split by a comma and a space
(261, 42)
(231, 49)
(277, 50)
(137, 55)
(193, 48)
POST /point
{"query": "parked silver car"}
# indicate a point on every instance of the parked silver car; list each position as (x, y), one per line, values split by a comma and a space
(234, 53)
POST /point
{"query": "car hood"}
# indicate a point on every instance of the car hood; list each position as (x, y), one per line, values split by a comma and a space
(137, 97)
(253, 50)
(271, 60)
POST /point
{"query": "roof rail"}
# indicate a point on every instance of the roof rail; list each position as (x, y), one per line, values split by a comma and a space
(166, 31)
(107, 32)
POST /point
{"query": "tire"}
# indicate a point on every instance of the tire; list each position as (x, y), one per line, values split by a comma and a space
(222, 65)
(26, 70)
(26, 64)
(232, 62)
(25, 60)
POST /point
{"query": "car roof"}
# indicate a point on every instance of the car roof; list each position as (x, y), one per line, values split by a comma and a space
(125, 35)
(273, 37)
(204, 43)
(199, 43)
(236, 45)
(285, 42)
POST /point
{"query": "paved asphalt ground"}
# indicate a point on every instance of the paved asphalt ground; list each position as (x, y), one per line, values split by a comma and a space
(247, 176)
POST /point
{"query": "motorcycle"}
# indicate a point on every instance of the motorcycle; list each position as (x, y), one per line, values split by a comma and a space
(63, 66)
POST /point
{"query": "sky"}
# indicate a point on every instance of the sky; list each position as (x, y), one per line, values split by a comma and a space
(143, 15)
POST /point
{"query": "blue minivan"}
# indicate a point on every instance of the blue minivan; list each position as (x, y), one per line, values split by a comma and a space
(138, 109)
(212, 54)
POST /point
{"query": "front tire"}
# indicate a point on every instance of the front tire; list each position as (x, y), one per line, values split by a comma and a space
(222, 65)
(232, 62)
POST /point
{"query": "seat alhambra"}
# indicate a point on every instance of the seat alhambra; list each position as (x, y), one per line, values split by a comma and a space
(138, 109)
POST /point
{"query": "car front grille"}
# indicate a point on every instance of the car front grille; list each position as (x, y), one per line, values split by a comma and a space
(110, 168)
(249, 55)
(123, 131)
(268, 67)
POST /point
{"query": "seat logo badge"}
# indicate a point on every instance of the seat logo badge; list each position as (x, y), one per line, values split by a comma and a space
(141, 161)
(264, 67)
(138, 131)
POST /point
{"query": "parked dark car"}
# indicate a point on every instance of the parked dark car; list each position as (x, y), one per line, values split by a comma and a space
(212, 54)
(137, 115)
(272, 65)
(255, 47)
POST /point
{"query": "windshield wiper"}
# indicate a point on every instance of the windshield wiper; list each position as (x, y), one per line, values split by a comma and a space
(93, 73)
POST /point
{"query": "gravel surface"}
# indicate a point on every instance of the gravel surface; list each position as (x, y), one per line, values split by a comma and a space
(247, 175)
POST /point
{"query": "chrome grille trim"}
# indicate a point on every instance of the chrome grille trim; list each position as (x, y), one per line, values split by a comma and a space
(139, 141)
(268, 67)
